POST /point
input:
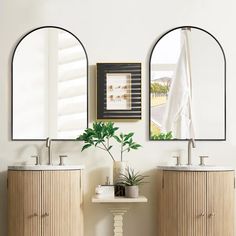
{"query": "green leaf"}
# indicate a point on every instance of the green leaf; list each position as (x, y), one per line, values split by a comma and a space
(86, 146)
(127, 136)
(130, 141)
(169, 135)
(135, 146)
(117, 138)
(80, 138)
(131, 178)
(102, 133)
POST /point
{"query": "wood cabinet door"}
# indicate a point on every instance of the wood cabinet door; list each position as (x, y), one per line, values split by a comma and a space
(182, 203)
(167, 203)
(24, 203)
(61, 203)
(191, 203)
(220, 205)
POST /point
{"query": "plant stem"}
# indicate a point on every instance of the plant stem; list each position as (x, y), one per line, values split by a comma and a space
(121, 151)
(108, 151)
(101, 148)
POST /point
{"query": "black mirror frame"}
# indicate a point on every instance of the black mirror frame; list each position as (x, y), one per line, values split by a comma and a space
(12, 60)
(150, 58)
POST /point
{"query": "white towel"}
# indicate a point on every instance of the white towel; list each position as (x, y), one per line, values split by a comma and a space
(178, 113)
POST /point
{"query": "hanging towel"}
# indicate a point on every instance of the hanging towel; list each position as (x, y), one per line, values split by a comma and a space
(178, 113)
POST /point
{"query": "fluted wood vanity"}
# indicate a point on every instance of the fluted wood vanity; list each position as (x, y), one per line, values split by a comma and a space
(195, 202)
(45, 201)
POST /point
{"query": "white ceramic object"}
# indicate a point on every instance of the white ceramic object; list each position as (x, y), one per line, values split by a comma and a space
(119, 168)
(46, 167)
(195, 168)
(105, 191)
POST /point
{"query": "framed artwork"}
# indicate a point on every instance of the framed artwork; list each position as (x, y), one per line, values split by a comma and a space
(119, 91)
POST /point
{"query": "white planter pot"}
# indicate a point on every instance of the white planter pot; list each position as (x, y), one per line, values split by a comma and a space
(119, 168)
(132, 191)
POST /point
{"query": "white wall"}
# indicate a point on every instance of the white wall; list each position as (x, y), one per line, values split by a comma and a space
(115, 31)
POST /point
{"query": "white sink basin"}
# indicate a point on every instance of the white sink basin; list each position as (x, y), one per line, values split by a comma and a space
(46, 167)
(196, 168)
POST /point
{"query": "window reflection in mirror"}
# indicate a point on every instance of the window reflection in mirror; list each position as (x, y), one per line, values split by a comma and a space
(49, 86)
(187, 86)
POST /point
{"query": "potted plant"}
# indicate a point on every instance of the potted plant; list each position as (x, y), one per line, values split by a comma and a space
(101, 136)
(131, 180)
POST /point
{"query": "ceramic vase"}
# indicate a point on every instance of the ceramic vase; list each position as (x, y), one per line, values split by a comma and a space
(119, 169)
(132, 191)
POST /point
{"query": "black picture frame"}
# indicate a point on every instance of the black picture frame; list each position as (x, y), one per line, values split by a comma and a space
(224, 89)
(135, 72)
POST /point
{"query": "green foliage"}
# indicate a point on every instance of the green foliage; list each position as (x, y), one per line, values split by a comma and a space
(163, 136)
(131, 178)
(126, 142)
(100, 135)
(159, 88)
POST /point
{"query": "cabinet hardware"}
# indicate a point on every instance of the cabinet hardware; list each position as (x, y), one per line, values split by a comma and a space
(162, 180)
(35, 214)
(45, 214)
(202, 214)
(212, 214)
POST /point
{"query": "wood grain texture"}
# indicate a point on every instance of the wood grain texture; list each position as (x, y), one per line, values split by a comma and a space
(220, 208)
(192, 203)
(24, 203)
(61, 205)
(195, 203)
(45, 203)
(167, 212)
(180, 214)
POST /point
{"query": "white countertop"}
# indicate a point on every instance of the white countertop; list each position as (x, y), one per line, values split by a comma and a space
(46, 167)
(195, 168)
(119, 200)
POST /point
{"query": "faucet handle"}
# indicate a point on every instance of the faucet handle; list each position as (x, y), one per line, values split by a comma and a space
(62, 159)
(178, 160)
(36, 159)
(202, 157)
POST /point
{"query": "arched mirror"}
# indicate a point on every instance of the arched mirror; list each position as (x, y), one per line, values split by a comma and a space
(49, 86)
(187, 86)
